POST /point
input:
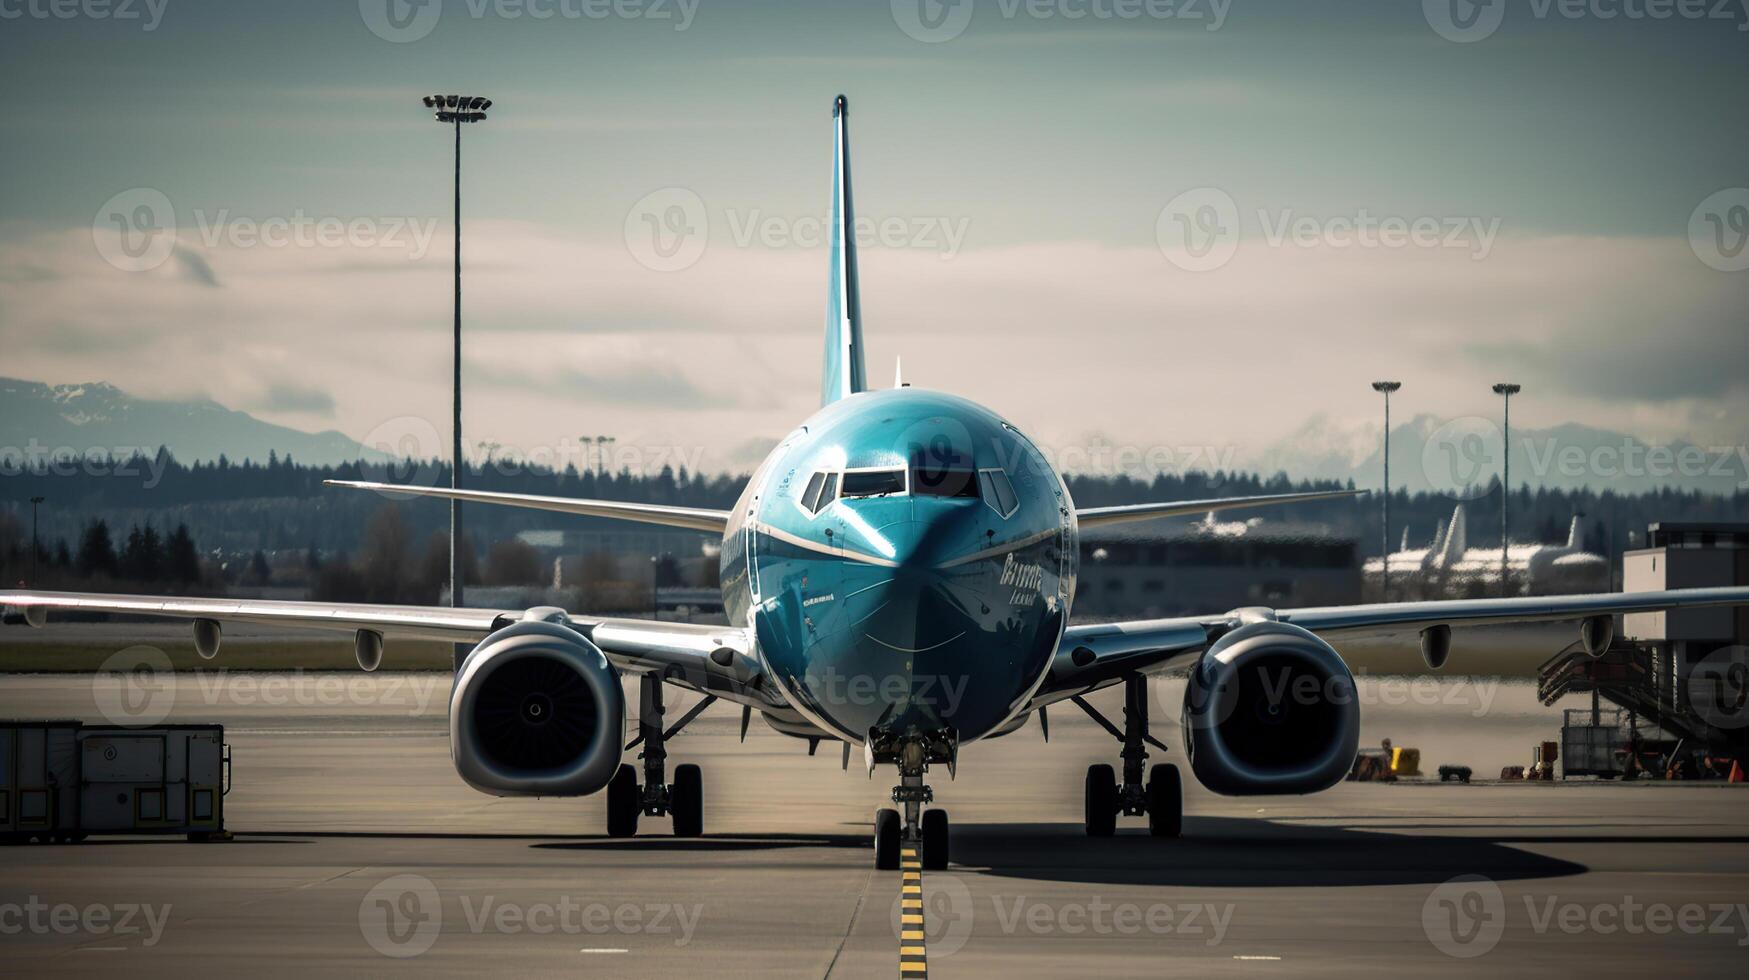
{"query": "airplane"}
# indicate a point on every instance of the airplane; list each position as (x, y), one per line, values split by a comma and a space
(898, 576)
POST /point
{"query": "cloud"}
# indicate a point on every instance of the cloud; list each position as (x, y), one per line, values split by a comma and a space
(567, 335)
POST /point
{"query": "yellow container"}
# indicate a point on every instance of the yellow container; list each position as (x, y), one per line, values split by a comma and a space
(1405, 762)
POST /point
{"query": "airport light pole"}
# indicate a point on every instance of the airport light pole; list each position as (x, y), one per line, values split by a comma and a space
(35, 502)
(455, 110)
(1385, 388)
(1505, 390)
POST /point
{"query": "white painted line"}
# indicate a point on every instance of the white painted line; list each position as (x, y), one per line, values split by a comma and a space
(598, 949)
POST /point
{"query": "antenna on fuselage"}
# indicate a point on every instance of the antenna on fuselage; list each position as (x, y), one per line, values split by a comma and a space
(843, 373)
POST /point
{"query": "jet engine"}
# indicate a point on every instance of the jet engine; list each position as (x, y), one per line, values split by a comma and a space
(1270, 709)
(537, 710)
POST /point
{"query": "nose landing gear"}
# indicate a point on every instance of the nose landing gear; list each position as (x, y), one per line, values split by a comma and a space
(1161, 797)
(928, 829)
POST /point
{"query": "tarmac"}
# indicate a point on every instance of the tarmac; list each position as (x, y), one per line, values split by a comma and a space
(359, 852)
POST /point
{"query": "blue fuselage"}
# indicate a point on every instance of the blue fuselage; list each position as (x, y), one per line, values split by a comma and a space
(906, 560)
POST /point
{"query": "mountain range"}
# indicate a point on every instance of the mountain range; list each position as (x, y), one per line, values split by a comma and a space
(1455, 457)
(36, 419)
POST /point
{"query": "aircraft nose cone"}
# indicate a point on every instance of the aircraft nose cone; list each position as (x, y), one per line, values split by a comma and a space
(935, 533)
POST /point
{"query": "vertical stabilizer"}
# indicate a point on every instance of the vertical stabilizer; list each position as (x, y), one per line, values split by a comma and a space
(843, 374)
(1456, 540)
(1575, 537)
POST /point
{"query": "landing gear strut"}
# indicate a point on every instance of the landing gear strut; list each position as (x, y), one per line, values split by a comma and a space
(1161, 797)
(683, 799)
(924, 829)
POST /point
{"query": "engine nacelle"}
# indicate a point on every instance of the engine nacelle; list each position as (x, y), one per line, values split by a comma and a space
(1271, 709)
(537, 710)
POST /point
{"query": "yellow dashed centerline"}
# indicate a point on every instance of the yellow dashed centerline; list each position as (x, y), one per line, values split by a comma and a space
(913, 955)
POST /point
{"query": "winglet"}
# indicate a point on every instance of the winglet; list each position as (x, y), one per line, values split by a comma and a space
(843, 373)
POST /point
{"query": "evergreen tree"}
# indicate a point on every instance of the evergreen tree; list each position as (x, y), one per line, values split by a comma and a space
(96, 551)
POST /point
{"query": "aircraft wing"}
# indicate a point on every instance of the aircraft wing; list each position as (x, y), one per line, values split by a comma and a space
(692, 518)
(713, 659)
(1097, 655)
(1099, 516)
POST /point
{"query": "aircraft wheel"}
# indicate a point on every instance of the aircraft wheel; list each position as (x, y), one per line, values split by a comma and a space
(935, 847)
(686, 801)
(1101, 801)
(1165, 801)
(623, 803)
(886, 839)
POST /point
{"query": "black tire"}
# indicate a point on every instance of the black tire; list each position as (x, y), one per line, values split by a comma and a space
(1165, 801)
(623, 803)
(886, 839)
(935, 847)
(1101, 801)
(686, 801)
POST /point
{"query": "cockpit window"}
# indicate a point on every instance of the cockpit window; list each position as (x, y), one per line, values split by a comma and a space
(944, 481)
(872, 483)
(998, 492)
(811, 496)
(822, 489)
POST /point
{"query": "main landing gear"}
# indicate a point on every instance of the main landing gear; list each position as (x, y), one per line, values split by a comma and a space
(683, 799)
(925, 828)
(1161, 798)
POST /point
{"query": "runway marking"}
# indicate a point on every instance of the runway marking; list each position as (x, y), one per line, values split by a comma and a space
(1257, 957)
(913, 952)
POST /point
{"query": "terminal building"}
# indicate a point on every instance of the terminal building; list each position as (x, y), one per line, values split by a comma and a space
(1211, 566)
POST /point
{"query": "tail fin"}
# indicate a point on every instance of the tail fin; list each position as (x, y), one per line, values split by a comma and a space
(843, 374)
(1575, 536)
(1456, 538)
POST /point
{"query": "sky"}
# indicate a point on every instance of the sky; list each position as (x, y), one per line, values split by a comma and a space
(1154, 223)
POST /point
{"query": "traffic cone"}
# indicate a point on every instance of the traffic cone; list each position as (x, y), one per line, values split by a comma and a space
(1736, 772)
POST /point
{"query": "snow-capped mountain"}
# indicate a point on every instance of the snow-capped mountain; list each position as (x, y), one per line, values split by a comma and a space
(36, 419)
